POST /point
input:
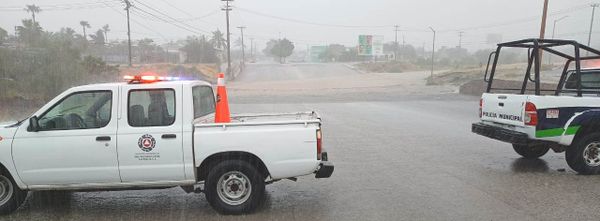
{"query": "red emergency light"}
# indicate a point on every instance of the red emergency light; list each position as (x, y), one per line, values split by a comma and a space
(147, 78)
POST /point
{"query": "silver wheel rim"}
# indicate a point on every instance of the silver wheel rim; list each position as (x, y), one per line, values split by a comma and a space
(591, 154)
(6, 190)
(234, 188)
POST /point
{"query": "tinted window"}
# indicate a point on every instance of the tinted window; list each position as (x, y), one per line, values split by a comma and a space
(589, 80)
(154, 107)
(84, 110)
(204, 101)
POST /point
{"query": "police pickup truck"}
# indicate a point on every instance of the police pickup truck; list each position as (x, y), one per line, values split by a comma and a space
(564, 119)
(149, 133)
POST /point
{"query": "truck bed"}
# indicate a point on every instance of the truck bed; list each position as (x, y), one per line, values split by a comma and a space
(263, 119)
(285, 142)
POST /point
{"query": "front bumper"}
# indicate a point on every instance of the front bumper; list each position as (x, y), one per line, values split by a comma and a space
(325, 168)
(500, 134)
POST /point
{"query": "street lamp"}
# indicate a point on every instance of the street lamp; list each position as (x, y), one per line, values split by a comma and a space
(432, 56)
(553, 33)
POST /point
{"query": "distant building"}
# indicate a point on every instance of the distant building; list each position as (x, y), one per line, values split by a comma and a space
(315, 53)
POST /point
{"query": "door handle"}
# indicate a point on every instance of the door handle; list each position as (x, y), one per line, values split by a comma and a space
(169, 136)
(103, 138)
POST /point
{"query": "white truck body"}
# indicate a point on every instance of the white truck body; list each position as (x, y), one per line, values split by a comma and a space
(555, 114)
(536, 118)
(119, 155)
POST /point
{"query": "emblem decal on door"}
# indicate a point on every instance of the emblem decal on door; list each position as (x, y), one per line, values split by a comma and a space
(147, 143)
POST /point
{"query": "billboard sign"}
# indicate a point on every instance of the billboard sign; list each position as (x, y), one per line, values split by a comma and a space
(370, 45)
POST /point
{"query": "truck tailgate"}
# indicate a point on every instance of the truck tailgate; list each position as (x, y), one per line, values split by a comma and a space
(505, 109)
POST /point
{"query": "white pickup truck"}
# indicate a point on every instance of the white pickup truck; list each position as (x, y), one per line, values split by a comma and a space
(565, 118)
(159, 134)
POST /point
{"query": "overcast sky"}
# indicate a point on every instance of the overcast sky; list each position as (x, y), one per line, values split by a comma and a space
(318, 22)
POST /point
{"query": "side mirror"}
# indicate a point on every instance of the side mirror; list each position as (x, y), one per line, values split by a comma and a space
(34, 125)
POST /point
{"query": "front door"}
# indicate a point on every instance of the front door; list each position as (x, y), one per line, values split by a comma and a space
(75, 144)
(150, 135)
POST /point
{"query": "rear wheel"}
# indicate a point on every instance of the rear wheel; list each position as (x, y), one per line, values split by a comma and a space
(11, 197)
(531, 151)
(234, 187)
(583, 156)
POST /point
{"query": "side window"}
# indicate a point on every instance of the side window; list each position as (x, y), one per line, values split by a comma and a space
(84, 110)
(151, 108)
(204, 101)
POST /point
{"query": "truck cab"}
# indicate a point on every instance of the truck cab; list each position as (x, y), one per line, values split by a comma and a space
(150, 132)
(563, 116)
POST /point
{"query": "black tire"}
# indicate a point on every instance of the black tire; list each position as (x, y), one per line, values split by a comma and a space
(576, 154)
(232, 172)
(531, 152)
(11, 196)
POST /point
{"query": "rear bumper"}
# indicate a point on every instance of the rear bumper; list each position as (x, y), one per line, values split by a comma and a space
(325, 168)
(500, 134)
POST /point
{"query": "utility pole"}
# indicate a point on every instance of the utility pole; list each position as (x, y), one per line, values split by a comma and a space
(227, 8)
(243, 51)
(280, 52)
(543, 28)
(127, 6)
(460, 35)
(432, 55)
(396, 42)
(252, 48)
(554, 33)
(594, 6)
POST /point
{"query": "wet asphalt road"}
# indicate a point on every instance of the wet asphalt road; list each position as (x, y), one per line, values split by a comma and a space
(397, 158)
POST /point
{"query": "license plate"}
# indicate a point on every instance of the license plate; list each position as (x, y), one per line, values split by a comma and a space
(552, 114)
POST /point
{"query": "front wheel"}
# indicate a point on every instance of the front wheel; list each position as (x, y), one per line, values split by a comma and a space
(583, 155)
(234, 187)
(531, 152)
(11, 197)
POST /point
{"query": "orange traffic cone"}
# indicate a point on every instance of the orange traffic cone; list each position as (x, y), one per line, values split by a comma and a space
(222, 109)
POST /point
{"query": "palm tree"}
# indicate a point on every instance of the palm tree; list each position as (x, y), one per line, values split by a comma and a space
(33, 9)
(84, 24)
(29, 32)
(106, 29)
(217, 40)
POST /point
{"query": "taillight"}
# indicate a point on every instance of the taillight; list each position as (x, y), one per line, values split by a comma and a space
(480, 107)
(531, 117)
(319, 143)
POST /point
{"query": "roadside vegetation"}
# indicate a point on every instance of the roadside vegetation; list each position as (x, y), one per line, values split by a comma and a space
(37, 64)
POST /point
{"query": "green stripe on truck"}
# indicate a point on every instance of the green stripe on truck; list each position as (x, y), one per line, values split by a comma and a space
(557, 132)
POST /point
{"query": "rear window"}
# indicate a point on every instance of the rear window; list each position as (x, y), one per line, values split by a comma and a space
(204, 101)
(151, 108)
(589, 80)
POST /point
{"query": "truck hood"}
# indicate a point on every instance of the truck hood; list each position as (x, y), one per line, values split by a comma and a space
(7, 123)
(8, 129)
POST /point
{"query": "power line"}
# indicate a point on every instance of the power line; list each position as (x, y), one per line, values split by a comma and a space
(312, 23)
(195, 31)
(192, 17)
(141, 24)
(63, 7)
(518, 21)
(46, 7)
(200, 17)
(172, 20)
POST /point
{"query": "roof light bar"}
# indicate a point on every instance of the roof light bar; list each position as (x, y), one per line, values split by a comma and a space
(147, 78)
